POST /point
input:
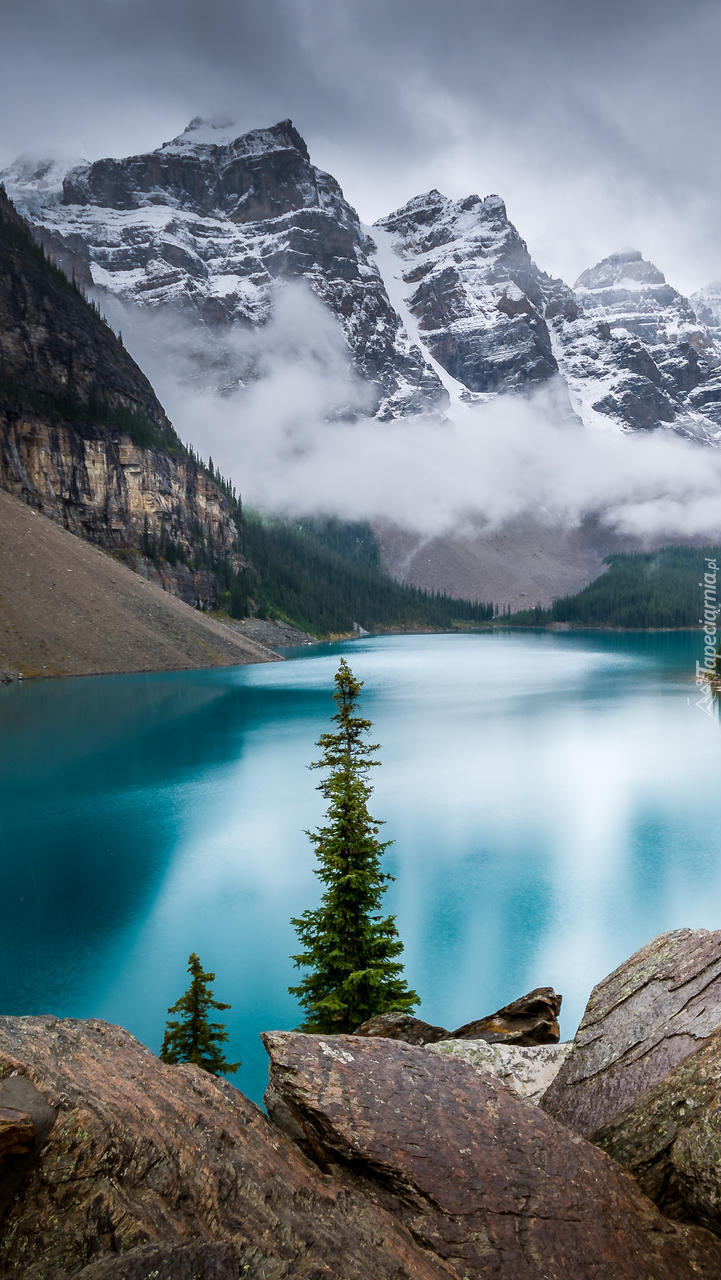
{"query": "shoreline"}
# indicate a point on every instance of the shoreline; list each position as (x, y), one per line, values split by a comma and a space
(298, 639)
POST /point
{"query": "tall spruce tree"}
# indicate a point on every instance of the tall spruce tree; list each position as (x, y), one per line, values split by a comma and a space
(351, 951)
(194, 1038)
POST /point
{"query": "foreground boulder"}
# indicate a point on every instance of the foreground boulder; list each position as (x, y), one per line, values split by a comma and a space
(490, 1184)
(527, 1069)
(532, 1019)
(153, 1168)
(671, 1139)
(640, 1022)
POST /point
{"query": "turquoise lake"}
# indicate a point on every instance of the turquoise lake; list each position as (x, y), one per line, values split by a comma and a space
(554, 799)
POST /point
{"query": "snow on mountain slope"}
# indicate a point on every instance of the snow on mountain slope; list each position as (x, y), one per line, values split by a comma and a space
(627, 345)
(473, 291)
(706, 303)
(209, 223)
(440, 299)
(391, 272)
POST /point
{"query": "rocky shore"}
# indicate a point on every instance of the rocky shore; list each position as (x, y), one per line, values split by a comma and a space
(492, 1151)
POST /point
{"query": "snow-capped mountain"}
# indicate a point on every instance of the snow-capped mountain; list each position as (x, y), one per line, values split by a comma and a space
(474, 292)
(628, 346)
(706, 303)
(441, 298)
(209, 222)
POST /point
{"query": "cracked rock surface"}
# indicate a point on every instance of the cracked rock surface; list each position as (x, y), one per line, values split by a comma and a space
(671, 1138)
(150, 1166)
(489, 1183)
(640, 1022)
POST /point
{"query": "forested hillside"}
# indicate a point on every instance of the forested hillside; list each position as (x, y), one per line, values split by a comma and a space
(662, 588)
(325, 576)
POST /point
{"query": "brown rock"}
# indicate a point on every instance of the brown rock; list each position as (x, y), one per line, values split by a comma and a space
(203, 1261)
(401, 1026)
(17, 1132)
(146, 1156)
(670, 1139)
(486, 1181)
(641, 1021)
(532, 1019)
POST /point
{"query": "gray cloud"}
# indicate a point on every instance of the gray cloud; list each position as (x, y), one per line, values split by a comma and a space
(287, 440)
(596, 123)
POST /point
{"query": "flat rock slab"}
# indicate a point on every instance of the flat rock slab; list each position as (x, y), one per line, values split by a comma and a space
(532, 1019)
(489, 1183)
(641, 1021)
(671, 1139)
(527, 1069)
(143, 1154)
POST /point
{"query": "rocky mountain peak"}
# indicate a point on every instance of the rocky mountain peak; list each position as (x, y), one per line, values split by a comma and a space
(634, 296)
(475, 292)
(627, 269)
(224, 134)
(441, 296)
(706, 303)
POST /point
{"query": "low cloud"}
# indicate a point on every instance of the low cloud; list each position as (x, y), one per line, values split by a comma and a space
(290, 426)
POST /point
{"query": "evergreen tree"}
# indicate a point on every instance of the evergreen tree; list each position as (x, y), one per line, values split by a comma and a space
(193, 1038)
(350, 950)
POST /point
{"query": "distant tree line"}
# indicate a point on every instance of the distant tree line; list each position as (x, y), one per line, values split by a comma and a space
(325, 575)
(640, 589)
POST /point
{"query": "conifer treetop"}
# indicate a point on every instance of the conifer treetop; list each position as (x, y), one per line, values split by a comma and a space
(193, 1038)
(351, 951)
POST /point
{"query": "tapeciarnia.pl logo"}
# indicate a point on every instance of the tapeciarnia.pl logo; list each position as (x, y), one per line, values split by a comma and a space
(705, 671)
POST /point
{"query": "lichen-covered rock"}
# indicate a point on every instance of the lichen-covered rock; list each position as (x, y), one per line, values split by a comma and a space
(488, 1183)
(401, 1026)
(527, 1069)
(670, 1139)
(640, 1022)
(147, 1157)
(532, 1019)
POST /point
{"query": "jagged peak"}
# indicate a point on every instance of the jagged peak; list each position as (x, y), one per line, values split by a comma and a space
(428, 205)
(626, 266)
(427, 201)
(221, 132)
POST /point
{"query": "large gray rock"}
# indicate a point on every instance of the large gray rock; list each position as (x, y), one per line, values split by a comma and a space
(670, 1139)
(527, 1069)
(486, 1183)
(640, 1022)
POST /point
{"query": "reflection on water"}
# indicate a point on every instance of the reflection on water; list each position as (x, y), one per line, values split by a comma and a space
(553, 799)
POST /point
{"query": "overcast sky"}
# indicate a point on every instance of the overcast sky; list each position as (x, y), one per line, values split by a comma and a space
(598, 123)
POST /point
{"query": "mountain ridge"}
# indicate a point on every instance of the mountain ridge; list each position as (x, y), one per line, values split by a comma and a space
(210, 222)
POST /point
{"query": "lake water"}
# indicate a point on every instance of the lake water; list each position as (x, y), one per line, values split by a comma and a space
(554, 799)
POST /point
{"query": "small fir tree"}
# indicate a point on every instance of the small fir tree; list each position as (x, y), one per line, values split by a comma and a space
(351, 951)
(193, 1038)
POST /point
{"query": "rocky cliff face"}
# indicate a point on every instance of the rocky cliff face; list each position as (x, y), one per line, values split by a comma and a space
(124, 498)
(84, 438)
(440, 298)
